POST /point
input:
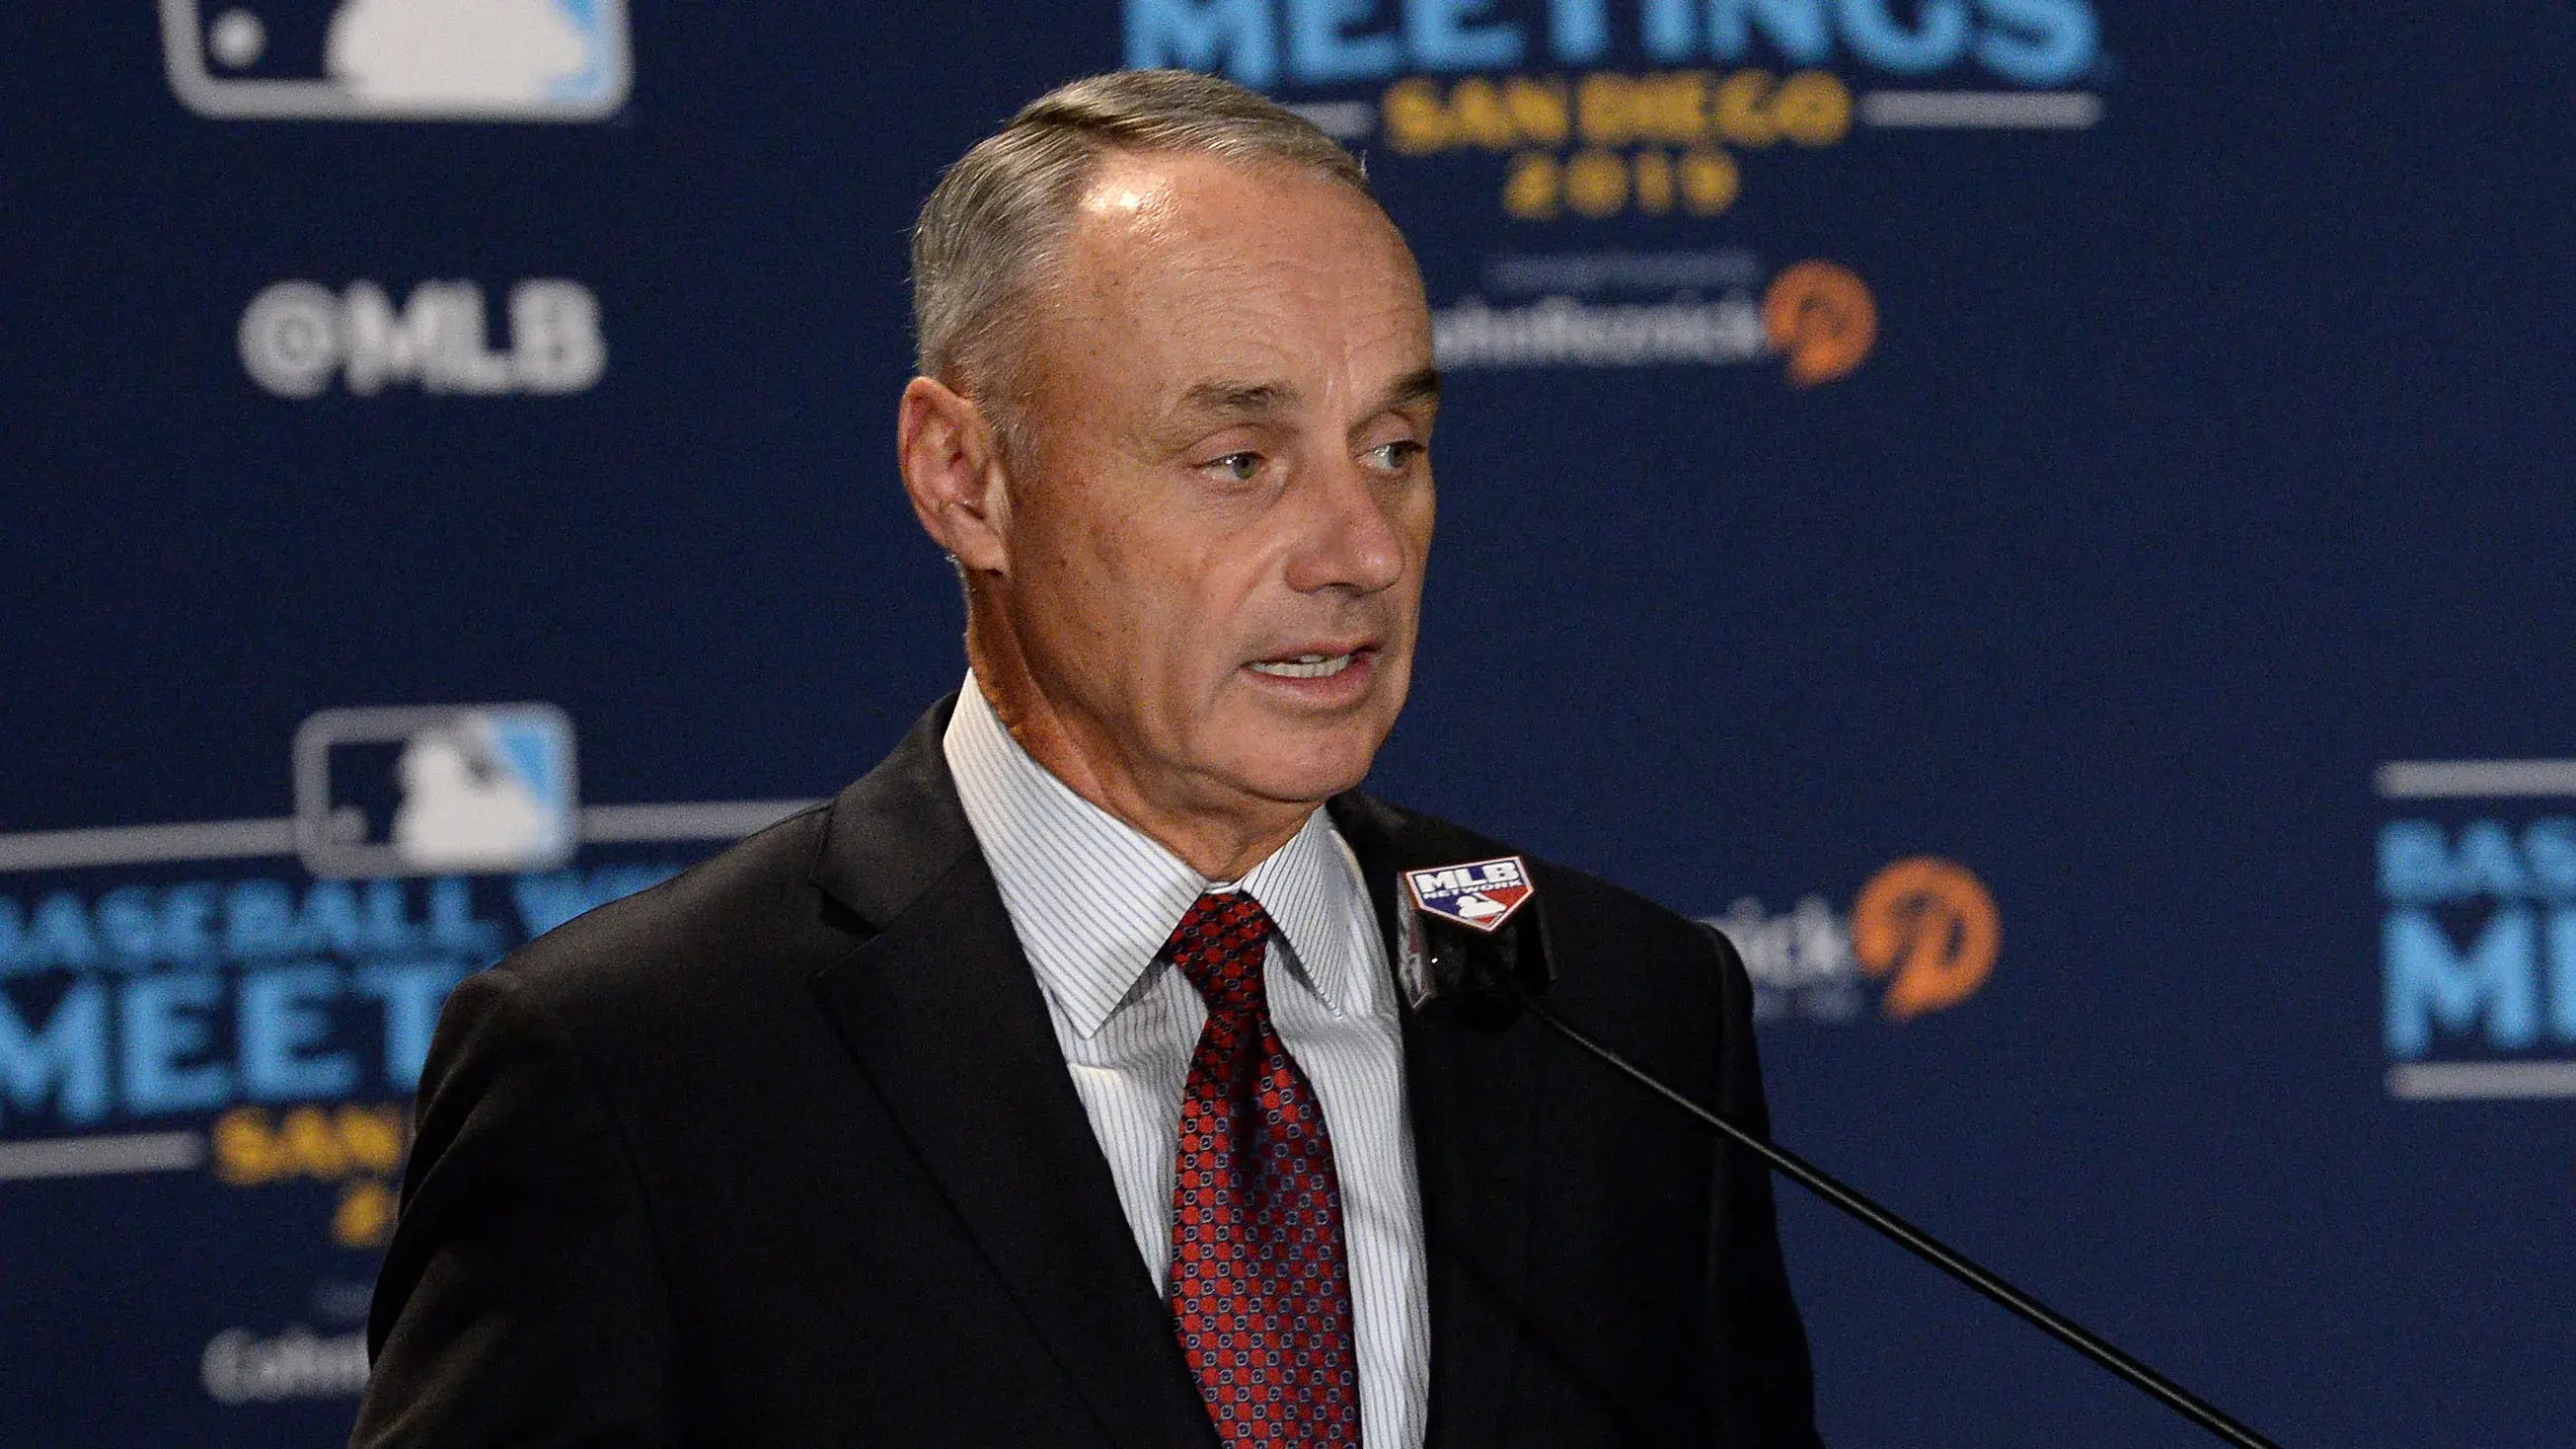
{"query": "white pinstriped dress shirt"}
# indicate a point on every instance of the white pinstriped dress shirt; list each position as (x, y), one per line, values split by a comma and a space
(1093, 899)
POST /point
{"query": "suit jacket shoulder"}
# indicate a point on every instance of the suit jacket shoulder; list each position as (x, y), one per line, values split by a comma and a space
(641, 969)
(748, 930)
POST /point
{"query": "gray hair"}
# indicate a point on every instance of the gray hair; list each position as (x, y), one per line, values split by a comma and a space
(997, 220)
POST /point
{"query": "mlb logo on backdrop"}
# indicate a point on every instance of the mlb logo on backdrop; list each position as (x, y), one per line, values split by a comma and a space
(1481, 893)
(398, 60)
(435, 790)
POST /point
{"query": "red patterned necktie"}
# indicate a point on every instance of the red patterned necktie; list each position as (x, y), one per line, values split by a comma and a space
(1261, 1289)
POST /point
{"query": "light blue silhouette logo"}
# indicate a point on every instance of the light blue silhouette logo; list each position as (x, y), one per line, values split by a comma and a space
(418, 60)
(436, 790)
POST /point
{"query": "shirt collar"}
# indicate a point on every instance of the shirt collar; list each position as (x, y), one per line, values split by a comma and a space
(1093, 899)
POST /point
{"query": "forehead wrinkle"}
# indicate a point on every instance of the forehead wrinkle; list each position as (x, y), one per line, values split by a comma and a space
(1158, 270)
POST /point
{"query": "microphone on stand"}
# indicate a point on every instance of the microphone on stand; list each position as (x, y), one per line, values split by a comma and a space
(1472, 944)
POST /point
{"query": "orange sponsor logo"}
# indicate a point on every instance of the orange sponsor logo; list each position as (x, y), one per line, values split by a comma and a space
(1822, 318)
(1933, 927)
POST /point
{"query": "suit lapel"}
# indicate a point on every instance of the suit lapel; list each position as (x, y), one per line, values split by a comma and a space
(947, 1022)
(1474, 1098)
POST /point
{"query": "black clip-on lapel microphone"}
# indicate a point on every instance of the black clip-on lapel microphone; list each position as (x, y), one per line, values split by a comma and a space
(1472, 945)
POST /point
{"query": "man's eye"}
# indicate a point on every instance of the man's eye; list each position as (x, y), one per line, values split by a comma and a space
(1392, 457)
(1238, 466)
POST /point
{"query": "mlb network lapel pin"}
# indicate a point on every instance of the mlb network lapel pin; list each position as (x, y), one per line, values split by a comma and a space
(1479, 893)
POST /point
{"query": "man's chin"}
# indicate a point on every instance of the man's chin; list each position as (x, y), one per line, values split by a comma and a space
(1300, 769)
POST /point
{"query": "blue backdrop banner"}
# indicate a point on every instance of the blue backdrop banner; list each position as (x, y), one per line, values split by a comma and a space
(2046, 520)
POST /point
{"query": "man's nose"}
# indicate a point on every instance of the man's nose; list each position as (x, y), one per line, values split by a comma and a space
(1349, 538)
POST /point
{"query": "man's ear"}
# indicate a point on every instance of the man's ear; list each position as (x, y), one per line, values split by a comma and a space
(952, 470)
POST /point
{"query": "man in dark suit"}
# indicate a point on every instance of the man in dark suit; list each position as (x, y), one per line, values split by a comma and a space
(1051, 1084)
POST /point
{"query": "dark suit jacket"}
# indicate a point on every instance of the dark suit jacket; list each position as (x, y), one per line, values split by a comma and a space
(783, 1152)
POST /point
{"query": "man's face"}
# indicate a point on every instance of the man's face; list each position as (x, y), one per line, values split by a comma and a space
(1216, 546)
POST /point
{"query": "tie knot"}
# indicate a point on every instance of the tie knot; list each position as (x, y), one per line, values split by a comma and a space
(1219, 945)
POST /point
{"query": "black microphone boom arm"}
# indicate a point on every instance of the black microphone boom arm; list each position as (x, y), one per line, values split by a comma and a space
(1920, 1243)
(1470, 940)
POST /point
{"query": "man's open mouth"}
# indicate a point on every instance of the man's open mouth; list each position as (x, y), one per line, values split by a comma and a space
(1305, 666)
